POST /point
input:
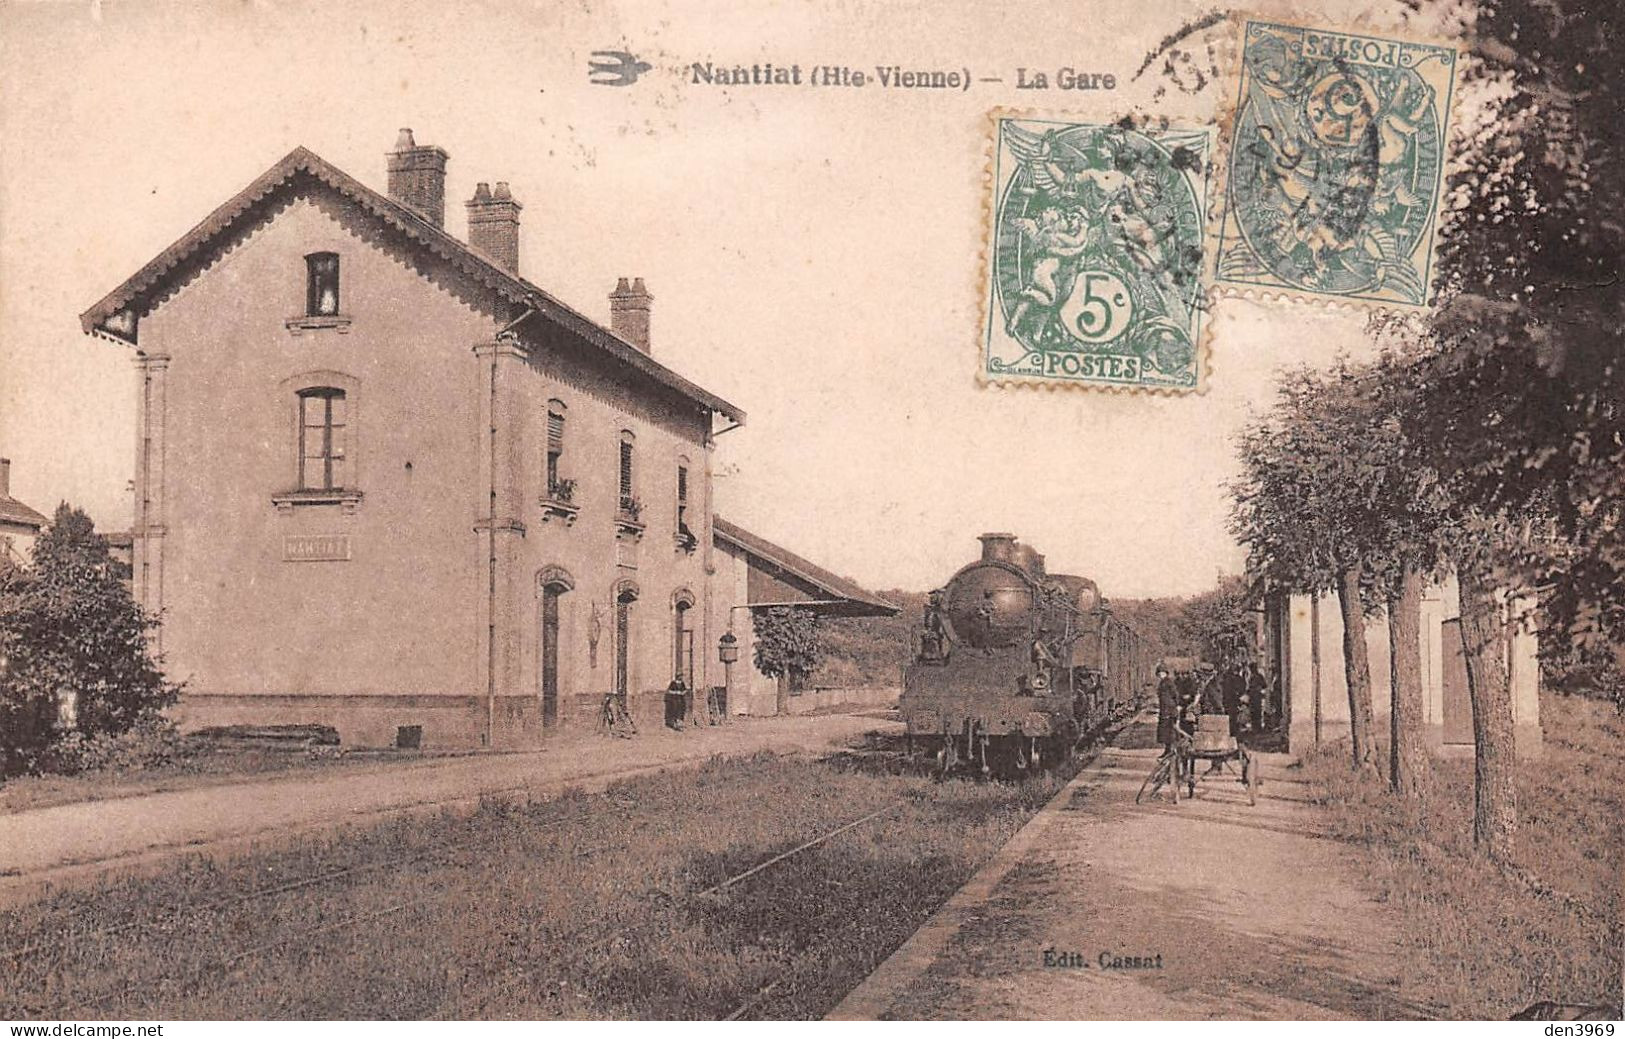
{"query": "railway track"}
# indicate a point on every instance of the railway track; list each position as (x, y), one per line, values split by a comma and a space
(36, 959)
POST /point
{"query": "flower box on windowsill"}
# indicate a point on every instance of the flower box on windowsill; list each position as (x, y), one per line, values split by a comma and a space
(554, 507)
(317, 322)
(627, 526)
(285, 501)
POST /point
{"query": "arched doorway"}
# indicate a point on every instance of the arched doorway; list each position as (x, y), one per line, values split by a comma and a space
(554, 583)
(682, 660)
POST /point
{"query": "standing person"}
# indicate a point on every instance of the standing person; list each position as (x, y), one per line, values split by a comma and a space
(1211, 697)
(1185, 686)
(1234, 687)
(676, 703)
(1257, 689)
(1167, 709)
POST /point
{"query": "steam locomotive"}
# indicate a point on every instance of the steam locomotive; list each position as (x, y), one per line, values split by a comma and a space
(1014, 667)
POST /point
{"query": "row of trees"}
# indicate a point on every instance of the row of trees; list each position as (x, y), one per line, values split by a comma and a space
(75, 662)
(1489, 436)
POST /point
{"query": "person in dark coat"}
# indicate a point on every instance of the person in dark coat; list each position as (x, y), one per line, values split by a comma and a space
(1167, 709)
(1185, 686)
(676, 703)
(1257, 689)
(1211, 697)
(1234, 688)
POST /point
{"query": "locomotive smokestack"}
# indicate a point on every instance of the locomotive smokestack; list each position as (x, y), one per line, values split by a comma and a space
(998, 548)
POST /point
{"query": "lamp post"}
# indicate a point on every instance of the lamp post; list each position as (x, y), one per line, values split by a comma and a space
(727, 652)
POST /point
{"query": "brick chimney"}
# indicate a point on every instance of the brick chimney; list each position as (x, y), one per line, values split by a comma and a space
(5, 477)
(493, 224)
(417, 178)
(629, 312)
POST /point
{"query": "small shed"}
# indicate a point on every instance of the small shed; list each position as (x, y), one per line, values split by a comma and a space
(754, 574)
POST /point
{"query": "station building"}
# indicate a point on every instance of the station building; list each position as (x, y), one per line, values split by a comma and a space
(383, 482)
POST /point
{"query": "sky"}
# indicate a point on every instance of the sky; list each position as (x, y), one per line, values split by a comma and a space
(815, 254)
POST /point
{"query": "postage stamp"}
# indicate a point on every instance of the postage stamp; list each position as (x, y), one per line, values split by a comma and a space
(1095, 257)
(1336, 165)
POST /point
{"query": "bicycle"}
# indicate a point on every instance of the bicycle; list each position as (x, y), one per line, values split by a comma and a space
(614, 719)
(1172, 770)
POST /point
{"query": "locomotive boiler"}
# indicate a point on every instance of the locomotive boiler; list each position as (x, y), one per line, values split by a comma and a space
(1015, 666)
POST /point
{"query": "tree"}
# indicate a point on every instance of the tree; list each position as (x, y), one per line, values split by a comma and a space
(1521, 391)
(1516, 394)
(1301, 509)
(787, 646)
(1410, 521)
(1217, 624)
(72, 643)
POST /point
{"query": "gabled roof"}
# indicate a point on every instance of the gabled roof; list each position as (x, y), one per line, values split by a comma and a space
(118, 313)
(14, 511)
(857, 601)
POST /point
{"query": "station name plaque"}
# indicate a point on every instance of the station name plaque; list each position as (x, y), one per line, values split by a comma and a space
(316, 548)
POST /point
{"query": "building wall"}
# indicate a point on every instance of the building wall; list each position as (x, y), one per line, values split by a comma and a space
(17, 543)
(240, 621)
(1315, 682)
(600, 558)
(449, 543)
(749, 691)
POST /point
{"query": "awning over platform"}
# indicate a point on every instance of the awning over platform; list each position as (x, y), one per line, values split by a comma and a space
(780, 577)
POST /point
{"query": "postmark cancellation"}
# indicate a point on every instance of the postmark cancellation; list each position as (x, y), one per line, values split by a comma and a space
(1335, 165)
(1095, 255)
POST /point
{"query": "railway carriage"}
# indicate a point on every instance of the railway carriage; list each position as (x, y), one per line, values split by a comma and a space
(1015, 666)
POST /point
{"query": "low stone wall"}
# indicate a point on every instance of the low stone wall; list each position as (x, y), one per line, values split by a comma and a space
(827, 697)
(455, 721)
(448, 722)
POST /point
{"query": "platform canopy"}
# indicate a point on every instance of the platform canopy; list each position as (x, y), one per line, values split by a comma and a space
(779, 577)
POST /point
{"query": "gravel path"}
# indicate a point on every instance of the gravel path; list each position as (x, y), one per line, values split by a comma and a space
(1211, 909)
(73, 843)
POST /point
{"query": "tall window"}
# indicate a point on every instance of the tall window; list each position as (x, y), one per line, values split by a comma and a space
(682, 663)
(321, 439)
(628, 500)
(682, 499)
(322, 284)
(623, 639)
(555, 444)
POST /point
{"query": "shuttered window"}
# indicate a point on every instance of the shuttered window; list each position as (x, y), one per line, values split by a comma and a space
(555, 446)
(627, 497)
(682, 499)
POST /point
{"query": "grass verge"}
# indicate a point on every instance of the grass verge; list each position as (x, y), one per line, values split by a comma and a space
(204, 764)
(579, 907)
(1477, 940)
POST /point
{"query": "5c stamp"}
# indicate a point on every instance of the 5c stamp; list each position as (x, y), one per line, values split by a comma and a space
(1336, 165)
(1095, 257)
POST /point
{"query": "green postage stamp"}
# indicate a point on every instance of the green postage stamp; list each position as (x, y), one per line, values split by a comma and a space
(1095, 254)
(1336, 165)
